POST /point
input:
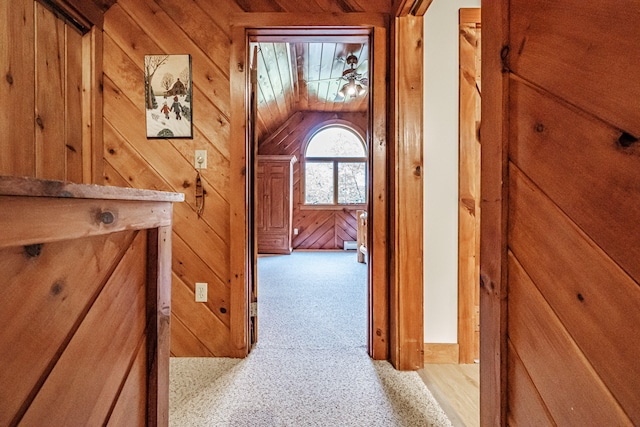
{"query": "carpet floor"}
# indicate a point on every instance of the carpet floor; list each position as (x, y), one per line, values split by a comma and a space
(310, 366)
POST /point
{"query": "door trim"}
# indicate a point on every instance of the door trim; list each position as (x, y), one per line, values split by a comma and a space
(249, 24)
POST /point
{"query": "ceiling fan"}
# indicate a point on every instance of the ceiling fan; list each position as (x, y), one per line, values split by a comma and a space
(354, 77)
(356, 82)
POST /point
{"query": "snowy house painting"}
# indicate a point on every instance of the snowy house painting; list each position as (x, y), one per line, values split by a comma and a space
(168, 93)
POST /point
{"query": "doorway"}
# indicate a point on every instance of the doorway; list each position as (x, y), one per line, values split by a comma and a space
(243, 254)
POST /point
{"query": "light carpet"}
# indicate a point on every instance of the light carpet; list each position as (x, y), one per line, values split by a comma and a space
(310, 366)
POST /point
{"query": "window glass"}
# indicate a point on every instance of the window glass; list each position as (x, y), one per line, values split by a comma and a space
(335, 168)
(318, 183)
(351, 183)
(335, 141)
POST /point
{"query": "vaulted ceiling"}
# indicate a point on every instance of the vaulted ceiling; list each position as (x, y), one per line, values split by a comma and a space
(310, 75)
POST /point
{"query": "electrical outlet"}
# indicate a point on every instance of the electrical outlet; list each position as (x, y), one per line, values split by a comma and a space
(201, 292)
(295, 231)
(200, 159)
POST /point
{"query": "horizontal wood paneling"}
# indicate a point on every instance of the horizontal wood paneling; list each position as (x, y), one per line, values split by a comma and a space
(596, 299)
(554, 361)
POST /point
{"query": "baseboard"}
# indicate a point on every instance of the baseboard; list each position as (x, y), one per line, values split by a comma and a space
(441, 353)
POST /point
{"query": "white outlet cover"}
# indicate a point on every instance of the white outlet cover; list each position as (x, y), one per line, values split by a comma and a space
(200, 155)
(201, 292)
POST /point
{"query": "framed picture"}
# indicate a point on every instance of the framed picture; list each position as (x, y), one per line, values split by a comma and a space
(168, 96)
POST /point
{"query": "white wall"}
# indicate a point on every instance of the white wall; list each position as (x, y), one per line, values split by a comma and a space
(441, 170)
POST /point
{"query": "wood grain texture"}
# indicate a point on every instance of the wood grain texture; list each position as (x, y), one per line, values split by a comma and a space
(70, 395)
(39, 319)
(553, 360)
(597, 302)
(578, 161)
(494, 202)
(17, 56)
(378, 218)
(131, 405)
(50, 98)
(591, 69)
(526, 407)
(52, 219)
(469, 187)
(440, 353)
(407, 284)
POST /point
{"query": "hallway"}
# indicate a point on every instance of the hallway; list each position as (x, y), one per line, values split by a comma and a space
(310, 366)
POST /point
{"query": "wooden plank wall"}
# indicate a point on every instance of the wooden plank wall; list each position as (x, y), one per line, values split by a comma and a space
(573, 125)
(41, 93)
(318, 228)
(201, 253)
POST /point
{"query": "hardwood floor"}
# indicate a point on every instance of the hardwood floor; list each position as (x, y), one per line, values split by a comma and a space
(456, 388)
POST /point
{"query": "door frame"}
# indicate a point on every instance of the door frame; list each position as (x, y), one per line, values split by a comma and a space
(468, 197)
(287, 25)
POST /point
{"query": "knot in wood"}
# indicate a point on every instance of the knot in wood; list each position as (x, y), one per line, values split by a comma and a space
(539, 127)
(33, 251)
(106, 217)
(9, 78)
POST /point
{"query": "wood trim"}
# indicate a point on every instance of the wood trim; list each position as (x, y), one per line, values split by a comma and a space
(309, 24)
(159, 324)
(82, 14)
(471, 15)
(287, 24)
(437, 353)
(494, 205)
(238, 199)
(410, 7)
(96, 216)
(377, 217)
(468, 187)
(407, 284)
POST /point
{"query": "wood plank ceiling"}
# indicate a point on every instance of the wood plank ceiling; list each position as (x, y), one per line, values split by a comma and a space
(309, 74)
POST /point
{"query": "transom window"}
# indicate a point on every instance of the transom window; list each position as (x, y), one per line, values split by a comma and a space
(335, 167)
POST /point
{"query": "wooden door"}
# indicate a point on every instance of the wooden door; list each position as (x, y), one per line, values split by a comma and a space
(252, 249)
(561, 202)
(274, 179)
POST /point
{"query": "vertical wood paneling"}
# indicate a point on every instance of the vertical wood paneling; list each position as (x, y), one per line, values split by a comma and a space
(44, 87)
(17, 56)
(74, 149)
(50, 84)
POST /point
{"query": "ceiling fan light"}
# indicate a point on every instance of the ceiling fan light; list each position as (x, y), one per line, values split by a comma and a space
(343, 91)
(351, 90)
(361, 90)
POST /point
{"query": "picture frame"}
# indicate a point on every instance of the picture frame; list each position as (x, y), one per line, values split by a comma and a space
(168, 96)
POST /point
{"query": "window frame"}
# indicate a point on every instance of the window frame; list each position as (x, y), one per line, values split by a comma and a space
(335, 161)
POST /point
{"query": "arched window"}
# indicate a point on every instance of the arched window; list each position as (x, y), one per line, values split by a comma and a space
(335, 167)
